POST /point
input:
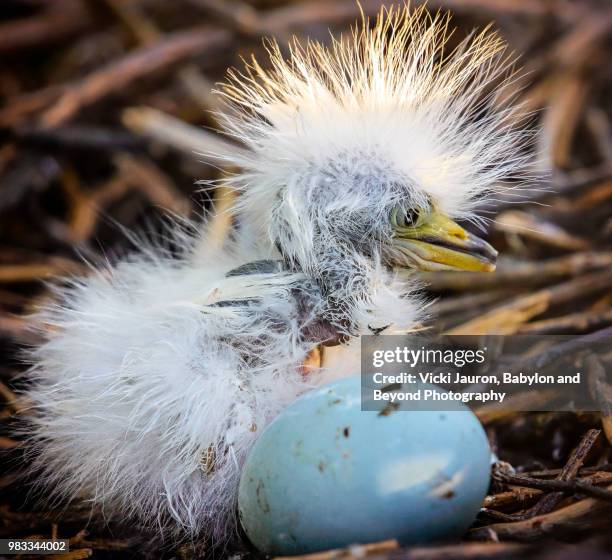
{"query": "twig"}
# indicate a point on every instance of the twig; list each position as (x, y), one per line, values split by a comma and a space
(518, 273)
(58, 19)
(508, 318)
(82, 137)
(361, 550)
(145, 30)
(514, 498)
(149, 179)
(78, 554)
(574, 322)
(38, 271)
(578, 516)
(601, 392)
(115, 76)
(532, 227)
(568, 474)
(563, 486)
(181, 136)
(12, 401)
(600, 470)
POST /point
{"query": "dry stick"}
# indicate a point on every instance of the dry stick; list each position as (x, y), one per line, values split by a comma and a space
(566, 105)
(463, 551)
(12, 400)
(518, 273)
(180, 135)
(471, 303)
(85, 209)
(144, 175)
(568, 474)
(574, 322)
(535, 8)
(33, 272)
(81, 540)
(562, 116)
(144, 61)
(514, 498)
(199, 88)
(59, 19)
(563, 349)
(384, 551)
(508, 318)
(130, 13)
(82, 137)
(534, 400)
(161, 55)
(579, 515)
(237, 15)
(600, 130)
(566, 90)
(78, 554)
(601, 392)
(598, 471)
(15, 522)
(580, 179)
(213, 236)
(286, 18)
(499, 515)
(593, 195)
(560, 488)
(360, 550)
(564, 482)
(19, 107)
(9, 443)
(532, 227)
(576, 49)
(191, 140)
(145, 30)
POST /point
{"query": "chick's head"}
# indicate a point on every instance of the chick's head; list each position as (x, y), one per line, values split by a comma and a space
(375, 145)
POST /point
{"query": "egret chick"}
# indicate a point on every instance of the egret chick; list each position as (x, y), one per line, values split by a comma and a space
(158, 374)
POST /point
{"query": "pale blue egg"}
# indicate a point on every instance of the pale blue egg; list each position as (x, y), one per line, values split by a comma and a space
(326, 474)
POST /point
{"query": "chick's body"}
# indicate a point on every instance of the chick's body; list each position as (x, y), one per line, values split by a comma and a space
(158, 375)
(155, 380)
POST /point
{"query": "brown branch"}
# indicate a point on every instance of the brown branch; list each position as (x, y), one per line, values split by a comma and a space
(572, 323)
(601, 392)
(581, 515)
(519, 274)
(57, 20)
(508, 318)
(568, 474)
(534, 227)
(115, 76)
(559, 486)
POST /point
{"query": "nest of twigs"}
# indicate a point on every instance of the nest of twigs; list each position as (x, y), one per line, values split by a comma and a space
(104, 104)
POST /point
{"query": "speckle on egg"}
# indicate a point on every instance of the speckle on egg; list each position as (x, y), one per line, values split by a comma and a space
(326, 474)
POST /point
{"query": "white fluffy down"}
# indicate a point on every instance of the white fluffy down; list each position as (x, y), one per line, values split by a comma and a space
(146, 399)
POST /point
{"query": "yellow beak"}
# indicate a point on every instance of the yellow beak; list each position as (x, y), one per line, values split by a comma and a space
(436, 242)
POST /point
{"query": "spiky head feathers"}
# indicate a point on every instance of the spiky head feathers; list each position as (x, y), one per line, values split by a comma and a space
(338, 136)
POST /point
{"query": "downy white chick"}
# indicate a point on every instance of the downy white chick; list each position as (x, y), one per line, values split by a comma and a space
(158, 374)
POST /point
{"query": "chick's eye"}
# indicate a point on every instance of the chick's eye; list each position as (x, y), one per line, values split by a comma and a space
(409, 217)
